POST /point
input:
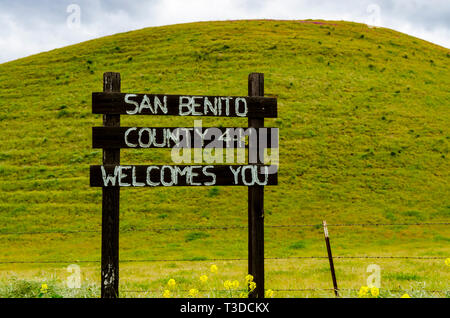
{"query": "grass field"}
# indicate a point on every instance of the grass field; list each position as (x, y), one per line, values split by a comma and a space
(364, 138)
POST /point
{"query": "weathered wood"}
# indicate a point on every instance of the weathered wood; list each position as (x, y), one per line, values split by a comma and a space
(112, 176)
(158, 137)
(183, 105)
(110, 206)
(256, 202)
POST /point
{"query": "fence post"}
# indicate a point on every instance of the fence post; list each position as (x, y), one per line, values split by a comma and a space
(256, 203)
(330, 257)
(110, 205)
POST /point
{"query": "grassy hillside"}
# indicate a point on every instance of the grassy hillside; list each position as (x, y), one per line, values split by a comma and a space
(364, 138)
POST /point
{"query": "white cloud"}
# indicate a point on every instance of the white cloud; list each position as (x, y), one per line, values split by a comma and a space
(28, 26)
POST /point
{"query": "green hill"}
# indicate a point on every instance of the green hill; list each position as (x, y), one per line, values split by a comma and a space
(364, 138)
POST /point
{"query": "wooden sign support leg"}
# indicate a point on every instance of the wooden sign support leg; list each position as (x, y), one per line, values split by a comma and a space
(256, 204)
(110, 205)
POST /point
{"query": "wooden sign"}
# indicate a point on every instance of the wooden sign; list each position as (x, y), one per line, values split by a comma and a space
(183, 105)
(182, 175)
(170, 137)
(112, 176)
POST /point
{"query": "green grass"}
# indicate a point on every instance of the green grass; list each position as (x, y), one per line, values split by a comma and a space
(364, 138)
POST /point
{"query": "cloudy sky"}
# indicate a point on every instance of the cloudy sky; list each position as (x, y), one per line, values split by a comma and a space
(32, 26)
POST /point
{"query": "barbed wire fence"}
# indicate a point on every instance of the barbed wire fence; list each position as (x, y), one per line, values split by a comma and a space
(193, 228)
(205, 228)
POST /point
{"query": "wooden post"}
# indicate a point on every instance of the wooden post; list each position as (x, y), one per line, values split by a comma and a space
(256, 203)
(330, 258)
(110, 205)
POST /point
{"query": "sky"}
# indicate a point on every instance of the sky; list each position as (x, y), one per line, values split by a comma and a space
(32, 26)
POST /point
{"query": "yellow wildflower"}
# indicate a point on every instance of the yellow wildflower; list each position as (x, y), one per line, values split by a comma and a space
(166, 293)
(235, 284)
(405, 296)
(252, 286)
(44, 288)
(363, 291)
(447, 262)
(193, 292)
(171, 283)
(214, 268)
(269, 293)
(228, 284)
(203, 278)
(243, 295)
(375, 291)
(248, 278)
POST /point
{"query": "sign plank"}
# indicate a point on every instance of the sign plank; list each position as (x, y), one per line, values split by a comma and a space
(184, 105)
(169, 137)
(108, 176)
